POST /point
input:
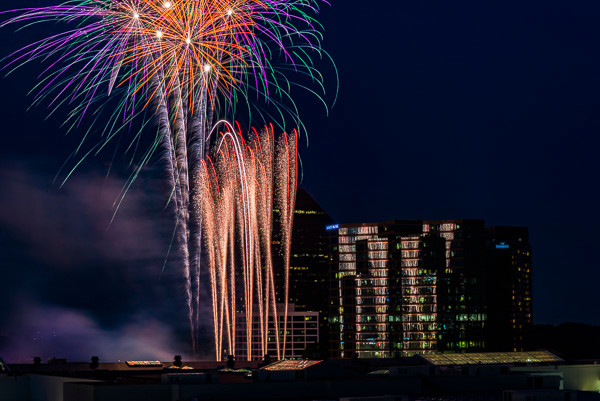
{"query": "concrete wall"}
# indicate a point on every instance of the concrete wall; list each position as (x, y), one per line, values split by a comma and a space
(110, 392)
(538, 395)
(78, 392)
(457, 384)
(50, 388)
(582, 377)
(155, 392)
(34, 388)
(301, 389)
(14, 388)
(575, 377)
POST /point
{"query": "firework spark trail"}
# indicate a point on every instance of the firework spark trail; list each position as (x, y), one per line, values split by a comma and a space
(207, 205)
(173, 157)
(232, 276)
(286, 183)
(241, 205)
(265, 219)
(255, 196)
(198, 131)
(182, 63)
(182, 165)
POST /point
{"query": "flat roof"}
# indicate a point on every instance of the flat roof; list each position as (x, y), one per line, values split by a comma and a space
(491, 358)
(129, 366)
(291, 365)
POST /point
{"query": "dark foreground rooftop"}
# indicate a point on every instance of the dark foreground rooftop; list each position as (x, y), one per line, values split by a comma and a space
(468, 377)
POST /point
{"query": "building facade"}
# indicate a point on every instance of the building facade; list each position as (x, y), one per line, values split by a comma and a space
(309, 264)
(308, 288)
(509, 288)
(361, 259)
(401, 288)
(414, 276)
(461, 284)
(302, 332)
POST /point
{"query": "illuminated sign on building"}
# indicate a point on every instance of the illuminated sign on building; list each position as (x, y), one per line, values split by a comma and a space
(502, 245)
(332, 227)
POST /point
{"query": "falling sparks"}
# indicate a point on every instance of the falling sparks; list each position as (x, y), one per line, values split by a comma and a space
(236, 203)
(181, 65)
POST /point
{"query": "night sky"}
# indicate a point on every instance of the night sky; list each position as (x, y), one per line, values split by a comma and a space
(486, 110)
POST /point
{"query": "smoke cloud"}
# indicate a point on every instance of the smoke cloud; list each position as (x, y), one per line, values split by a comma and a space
(74, 284)
(48, 331)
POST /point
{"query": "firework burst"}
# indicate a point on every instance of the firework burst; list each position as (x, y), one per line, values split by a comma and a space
(179, 64)
(225, 51)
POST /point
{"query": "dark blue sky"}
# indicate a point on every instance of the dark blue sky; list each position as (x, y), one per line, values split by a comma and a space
(485, 110)
(468, 109)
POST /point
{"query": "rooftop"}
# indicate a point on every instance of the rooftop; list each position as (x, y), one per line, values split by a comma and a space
(291, 365)
(491, 358)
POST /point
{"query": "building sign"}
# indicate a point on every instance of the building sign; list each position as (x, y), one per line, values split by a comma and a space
(502, 245)
(332, 227)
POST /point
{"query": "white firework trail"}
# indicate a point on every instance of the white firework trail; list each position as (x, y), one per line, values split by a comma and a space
(236, 204)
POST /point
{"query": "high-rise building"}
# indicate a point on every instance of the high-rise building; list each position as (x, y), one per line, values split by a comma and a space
(309, 264)
(356, 294)
(369, 334)
(406, 287)
(418, 262)
(308, 281)
(360, 259)
(461, 293)
(508, 288)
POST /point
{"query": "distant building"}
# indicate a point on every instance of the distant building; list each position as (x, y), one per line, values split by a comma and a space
(302, 332)
(309, 264)
(308, 282)
(400, 288)
(418, 264)
(509, 288)
(360, 287)
(461, 290)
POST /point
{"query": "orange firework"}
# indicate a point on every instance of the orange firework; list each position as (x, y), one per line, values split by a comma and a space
(180, 64)
(181, 48)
